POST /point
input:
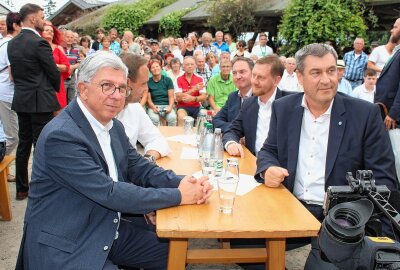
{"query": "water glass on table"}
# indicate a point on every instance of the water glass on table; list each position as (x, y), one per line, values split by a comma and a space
(227, 193)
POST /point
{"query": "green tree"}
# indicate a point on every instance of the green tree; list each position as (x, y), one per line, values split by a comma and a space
(171, 23)
(235, 15)
(309, 21)
(49, 8)
(133, 16)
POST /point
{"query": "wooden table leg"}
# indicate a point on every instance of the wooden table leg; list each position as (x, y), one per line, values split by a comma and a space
(177, 254)
(5, 205)
(275, 254)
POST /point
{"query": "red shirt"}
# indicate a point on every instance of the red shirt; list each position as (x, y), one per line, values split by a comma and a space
(185, 85)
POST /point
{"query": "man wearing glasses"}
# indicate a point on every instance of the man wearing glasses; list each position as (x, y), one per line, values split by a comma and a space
(86, 175)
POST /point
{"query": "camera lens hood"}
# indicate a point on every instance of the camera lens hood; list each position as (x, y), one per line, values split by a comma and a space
(346, 221)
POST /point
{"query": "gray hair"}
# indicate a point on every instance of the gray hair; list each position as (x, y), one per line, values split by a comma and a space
(314, 49)
(96, 61)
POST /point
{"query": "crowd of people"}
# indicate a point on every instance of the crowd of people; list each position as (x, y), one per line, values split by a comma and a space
(308, 119)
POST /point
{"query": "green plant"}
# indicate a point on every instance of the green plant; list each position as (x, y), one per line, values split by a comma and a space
(171, 23)
(133, 16)
(236, 15)
(309, 21)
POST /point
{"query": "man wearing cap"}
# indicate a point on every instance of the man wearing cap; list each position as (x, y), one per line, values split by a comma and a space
(344, 85)
(356, 62)
(155, 48)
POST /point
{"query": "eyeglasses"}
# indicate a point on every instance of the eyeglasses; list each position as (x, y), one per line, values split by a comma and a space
(108, 89)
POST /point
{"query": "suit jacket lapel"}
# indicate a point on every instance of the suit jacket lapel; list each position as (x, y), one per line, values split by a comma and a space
(83, 123)
(295, 120)
(336, 132)
(253, 118)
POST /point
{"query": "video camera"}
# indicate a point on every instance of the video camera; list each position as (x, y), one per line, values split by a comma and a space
(350, 215)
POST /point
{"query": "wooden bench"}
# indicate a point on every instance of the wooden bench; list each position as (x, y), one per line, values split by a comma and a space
(5, 205)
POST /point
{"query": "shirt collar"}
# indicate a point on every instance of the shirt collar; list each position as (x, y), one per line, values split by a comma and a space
(249, 93)
(96, 125)
(366, 91)
(31, 29)
(305, 106)
(270, 100)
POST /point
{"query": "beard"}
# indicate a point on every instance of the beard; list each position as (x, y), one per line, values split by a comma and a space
(395, 38)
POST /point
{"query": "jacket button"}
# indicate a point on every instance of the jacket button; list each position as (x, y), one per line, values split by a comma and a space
(115, 220)
(105, 248)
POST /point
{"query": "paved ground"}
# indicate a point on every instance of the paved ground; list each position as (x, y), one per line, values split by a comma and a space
(11, 233)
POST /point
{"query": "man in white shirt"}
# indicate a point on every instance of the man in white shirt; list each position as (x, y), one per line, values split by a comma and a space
(262, 49)
(316, 137)
(289, 80)
(86, 175)
(138, 126)
(255, 114)
(380, 55)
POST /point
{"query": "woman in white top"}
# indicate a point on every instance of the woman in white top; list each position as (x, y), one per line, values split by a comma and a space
(138, 126)
(175, 70)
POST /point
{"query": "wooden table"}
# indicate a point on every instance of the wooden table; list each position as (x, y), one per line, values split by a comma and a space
(270, 213)
(5, 205)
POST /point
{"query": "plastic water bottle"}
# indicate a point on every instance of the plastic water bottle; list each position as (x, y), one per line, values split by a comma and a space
(218, 152)
(200, 125)
(208, 161)
(202, 135)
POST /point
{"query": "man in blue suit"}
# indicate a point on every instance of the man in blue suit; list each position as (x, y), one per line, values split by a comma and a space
(388, 93)
(252, 123)
(317, 136)
(241, 71)
(86, 174)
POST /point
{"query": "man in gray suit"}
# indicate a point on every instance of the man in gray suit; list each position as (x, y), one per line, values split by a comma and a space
(86, 174)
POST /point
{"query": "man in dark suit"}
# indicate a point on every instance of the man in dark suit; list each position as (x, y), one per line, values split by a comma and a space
(36, 80)
(241, 71)
(252, 123)
(388, 93)
(317, 136)
(86, 174)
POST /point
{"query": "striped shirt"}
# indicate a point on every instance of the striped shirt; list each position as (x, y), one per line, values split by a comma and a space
(355, 66)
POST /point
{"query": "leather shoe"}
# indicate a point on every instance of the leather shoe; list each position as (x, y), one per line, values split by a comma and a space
(21, 196)
(10, 178)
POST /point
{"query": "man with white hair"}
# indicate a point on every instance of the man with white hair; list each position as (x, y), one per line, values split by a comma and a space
(289, 80)
(356, 61)
(133, 46)
(219, 42)
(206, 45)
(86, 175)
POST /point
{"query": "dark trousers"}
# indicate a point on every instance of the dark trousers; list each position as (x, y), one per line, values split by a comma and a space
(3, 149)
(139, 247)
(30, 126)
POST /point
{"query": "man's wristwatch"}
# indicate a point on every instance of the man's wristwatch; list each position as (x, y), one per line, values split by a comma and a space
(150, 158)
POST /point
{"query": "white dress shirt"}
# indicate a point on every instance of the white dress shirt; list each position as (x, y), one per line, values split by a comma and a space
(264, 117)
(289, 82)
(261, 51)
(103, 136)
(138, 127)
(309, 184)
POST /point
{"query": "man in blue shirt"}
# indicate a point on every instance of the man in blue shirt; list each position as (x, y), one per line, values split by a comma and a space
(219, 42)
(356, 63)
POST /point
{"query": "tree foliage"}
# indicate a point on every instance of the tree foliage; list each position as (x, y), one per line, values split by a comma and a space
(133, 16)
(235, 15)
(309, 21)
(171, 23)
(49, 8)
